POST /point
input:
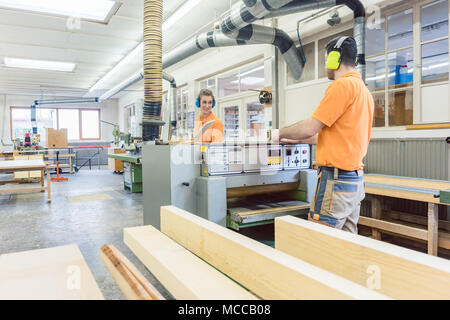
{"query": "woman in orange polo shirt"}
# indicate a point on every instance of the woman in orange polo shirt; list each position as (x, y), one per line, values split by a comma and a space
(214, 133)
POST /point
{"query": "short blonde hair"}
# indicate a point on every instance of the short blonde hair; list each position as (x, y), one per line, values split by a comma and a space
(205, 92)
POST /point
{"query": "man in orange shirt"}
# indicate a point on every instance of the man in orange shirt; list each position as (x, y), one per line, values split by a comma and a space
(206, 102)
(343, 122)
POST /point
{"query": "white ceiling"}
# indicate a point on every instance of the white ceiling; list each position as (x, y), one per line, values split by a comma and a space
(96, 48)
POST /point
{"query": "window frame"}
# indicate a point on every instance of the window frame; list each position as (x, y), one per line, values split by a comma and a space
(417, 60)
(11, 108)
(416, 46)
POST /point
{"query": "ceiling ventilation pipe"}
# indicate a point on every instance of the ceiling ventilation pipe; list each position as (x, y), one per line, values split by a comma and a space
(59, 102)
(359, 23)
(359, 32)
(300, 6)
(196, 44)
(151, 119)
(172, 101)
(253, 33)
(248, 11)
(122, 86)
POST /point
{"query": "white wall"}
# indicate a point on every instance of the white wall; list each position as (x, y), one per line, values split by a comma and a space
(124, 101)
(108, 112)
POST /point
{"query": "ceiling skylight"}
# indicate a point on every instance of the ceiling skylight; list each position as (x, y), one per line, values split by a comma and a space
(97, 10)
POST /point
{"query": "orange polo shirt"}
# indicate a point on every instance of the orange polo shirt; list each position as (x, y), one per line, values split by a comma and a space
(347, 112)
(214, 133)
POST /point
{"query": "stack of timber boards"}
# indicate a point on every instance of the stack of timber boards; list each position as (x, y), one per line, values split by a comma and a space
(182, 273)
(391, 270)
(267, 272)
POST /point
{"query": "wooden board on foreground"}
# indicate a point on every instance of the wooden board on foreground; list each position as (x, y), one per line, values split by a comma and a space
(269, 273)
(59, 273)
(183, 274)
(131, 282)
(392, 270)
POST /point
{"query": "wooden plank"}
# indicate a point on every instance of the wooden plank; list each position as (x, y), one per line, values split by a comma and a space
(270, 210)
(402, 194)
(267, 272)
(183, 274)
(59, 273)
(49, 194)
(22, 190)
(413, 218)
(415, 233)
(21, 164)
(407, 182)
(443, 239)
(131, 282)
(61, 155)
(392, 270)
(433, 215)
(61, 166)
(428, 126)
(254, 190)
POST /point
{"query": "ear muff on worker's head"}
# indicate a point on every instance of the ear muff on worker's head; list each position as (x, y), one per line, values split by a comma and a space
(334, 57)
(334, 60)
(197, 102)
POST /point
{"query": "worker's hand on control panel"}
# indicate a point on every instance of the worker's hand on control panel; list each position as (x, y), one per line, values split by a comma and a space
(273, 136)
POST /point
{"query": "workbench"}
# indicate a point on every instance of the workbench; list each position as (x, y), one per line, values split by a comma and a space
(12, 166)
(433, 192)
(132, 171)
(58, 273)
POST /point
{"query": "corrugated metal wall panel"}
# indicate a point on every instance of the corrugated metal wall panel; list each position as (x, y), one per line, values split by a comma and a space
(421, 158)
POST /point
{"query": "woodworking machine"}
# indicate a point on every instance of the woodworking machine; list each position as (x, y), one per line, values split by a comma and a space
(214, 180)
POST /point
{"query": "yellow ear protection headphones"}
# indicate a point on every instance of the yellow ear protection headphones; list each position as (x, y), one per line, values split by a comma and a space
(334, 57)
(197, 102)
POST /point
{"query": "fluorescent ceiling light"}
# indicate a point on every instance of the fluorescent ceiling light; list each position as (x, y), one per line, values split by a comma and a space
(130, 57)
(39, 64)
(87, 9)
(180, 13)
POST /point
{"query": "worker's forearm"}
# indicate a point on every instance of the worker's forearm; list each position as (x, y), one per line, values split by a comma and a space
(312, 140)
(297, 131)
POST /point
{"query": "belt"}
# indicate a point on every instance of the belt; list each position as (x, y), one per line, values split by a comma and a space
(337, 171)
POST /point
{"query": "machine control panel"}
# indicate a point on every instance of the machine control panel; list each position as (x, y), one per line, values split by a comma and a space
(233, 159)
(296, 156)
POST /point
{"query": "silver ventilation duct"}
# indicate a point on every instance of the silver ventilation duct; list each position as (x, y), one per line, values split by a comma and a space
(122, 86)
(248, 11)
(172, 99)
(253, 33)
(300, 6)
(197, 44)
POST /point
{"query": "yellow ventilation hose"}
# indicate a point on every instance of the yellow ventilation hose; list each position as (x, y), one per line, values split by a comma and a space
(152, 69)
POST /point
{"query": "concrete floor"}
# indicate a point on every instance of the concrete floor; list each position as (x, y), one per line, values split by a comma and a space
(28, 222)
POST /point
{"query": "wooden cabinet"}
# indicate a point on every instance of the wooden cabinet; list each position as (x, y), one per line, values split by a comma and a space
(56, 138)
(113, 164)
